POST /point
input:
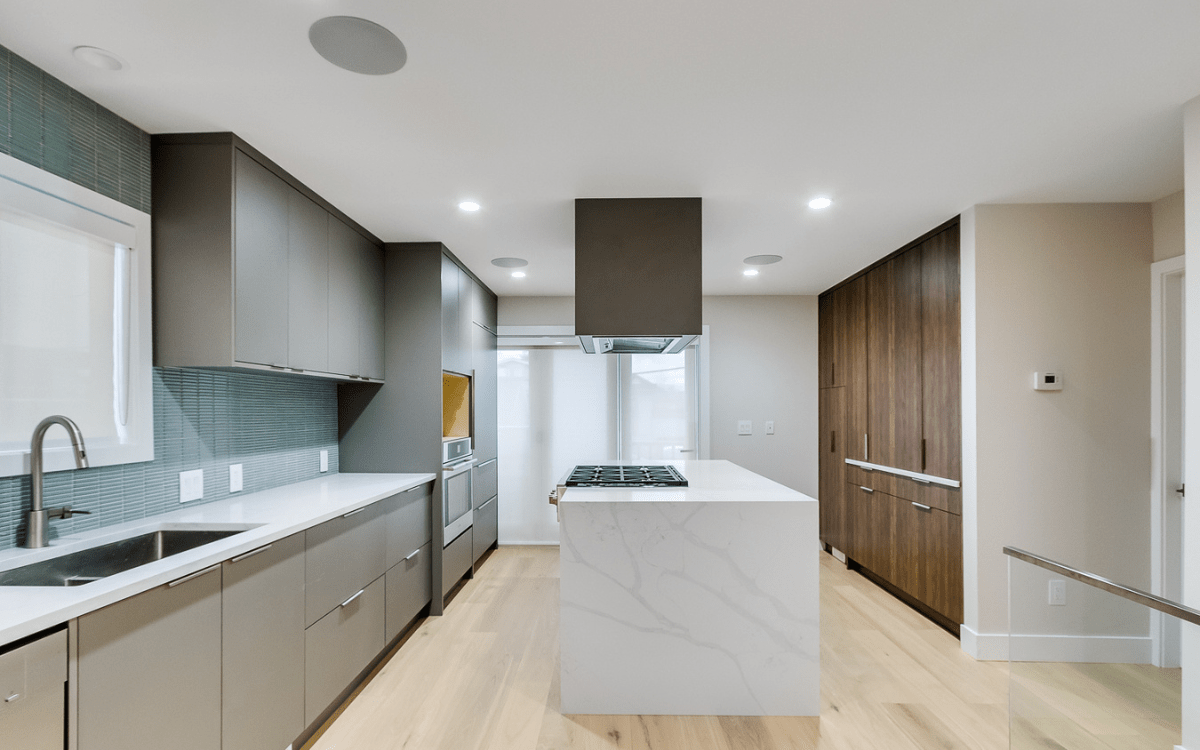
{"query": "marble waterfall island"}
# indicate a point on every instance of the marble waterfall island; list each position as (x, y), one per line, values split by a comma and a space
(700, 600)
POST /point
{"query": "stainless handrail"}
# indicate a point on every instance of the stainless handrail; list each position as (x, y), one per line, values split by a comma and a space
(1166, 606)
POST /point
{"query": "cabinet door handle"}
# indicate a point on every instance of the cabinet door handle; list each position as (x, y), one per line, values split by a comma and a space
(833, 441)
(357, 510)
(414, 489)
(197, 574)
(414, 554)
(921, 481)
(922, 506)
(866, 445)
(833, 373)
(865, 489)
(922, 454)
(360, 593)
(251, 553)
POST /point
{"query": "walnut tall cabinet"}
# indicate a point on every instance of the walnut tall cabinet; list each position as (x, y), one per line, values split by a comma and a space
(890, 423)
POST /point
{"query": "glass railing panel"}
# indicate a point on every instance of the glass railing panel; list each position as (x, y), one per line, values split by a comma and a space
(1089, 668)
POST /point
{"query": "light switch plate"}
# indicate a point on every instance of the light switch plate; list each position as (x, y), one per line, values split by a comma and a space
(324, 461)
(770, 427)
(235, 477)
(744, 427)
(1058, 593)
(191, 485)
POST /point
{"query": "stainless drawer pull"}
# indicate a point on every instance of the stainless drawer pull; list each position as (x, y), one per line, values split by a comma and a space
(865, 489)
(921, 481)
(12, 697)
(251, 553)
(360, 510)
(922, 506)
(351, 598)
(197, 574)
(414, 554)
(414, 489)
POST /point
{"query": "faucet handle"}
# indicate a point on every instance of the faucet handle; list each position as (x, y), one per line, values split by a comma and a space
(66, 512)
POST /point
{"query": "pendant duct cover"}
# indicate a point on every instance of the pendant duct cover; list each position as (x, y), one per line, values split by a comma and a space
(637, 274)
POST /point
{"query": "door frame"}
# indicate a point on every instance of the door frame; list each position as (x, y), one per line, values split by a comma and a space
(1160, 273)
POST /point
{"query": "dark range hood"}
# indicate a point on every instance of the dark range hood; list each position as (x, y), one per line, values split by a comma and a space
(637, 274)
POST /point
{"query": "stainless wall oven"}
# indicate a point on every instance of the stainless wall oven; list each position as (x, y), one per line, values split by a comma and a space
(457, 462)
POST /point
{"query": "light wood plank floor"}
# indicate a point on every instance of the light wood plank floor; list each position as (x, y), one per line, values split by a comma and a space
(485, 677)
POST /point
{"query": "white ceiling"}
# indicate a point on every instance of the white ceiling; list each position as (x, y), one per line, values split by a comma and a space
(905, 113)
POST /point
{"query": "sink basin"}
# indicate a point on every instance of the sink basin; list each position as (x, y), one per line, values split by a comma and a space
(85, 566)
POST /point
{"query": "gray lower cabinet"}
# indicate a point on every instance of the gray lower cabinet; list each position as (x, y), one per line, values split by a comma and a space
(484, 482)
(485, 528)
(340, 645)
(343, 556)
(32, 680)
(408, 590)
(262, 653)
(407, 522)
(149, 669)
(456, 560)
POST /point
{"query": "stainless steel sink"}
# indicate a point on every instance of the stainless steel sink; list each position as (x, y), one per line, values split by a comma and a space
(85, 566)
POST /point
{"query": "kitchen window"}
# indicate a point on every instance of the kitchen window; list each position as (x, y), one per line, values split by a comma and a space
(74, 320)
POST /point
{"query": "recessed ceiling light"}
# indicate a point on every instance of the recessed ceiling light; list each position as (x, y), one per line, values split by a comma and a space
(98, 58)
(469, 206)
(518, 274)
(750, 272)
(510, 262)
(357, 45)
(819, 203)
(762, 260)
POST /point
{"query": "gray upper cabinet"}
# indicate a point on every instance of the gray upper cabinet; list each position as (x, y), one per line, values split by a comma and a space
(253, 270)
(308, 284)
(483, 355)
(261, 236)
(456, 352)
(483, 306)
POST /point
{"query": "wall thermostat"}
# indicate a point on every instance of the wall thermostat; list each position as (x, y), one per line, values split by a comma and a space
(1047, 381)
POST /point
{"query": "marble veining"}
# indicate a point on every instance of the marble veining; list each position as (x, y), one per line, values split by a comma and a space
(702, 607)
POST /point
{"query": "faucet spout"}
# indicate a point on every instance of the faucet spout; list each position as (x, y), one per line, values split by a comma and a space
(35, 535)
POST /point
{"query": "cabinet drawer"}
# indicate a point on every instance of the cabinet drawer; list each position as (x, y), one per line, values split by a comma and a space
(456, 560)
(937, 496)
(33, 676)
(341, 557)
(408, 522)
(408, 590)
(483, 483)
(485, 528)
(339, 646)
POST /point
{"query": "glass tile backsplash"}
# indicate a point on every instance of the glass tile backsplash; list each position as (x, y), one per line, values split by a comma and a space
(274, 426)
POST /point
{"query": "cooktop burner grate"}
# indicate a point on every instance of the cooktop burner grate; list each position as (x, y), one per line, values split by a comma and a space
(626, 476)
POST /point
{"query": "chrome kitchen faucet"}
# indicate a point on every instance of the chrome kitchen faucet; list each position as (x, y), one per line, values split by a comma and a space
(39, 517)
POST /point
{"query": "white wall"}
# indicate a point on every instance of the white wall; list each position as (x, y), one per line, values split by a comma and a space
(1167, 215)
(1191, 532)
(1060, 287)
(762, 366)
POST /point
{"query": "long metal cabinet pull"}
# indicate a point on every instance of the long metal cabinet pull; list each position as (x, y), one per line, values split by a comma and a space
(922, 454)
(922, 506)
(833, 441)
(833, 373)
(197, 574)
(414, 554)
(866, 454)
(251, 553)
(360, 593)
(865, 489)
(359, 510)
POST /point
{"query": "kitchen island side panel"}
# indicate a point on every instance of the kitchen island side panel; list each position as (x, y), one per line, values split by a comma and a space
(692, 608)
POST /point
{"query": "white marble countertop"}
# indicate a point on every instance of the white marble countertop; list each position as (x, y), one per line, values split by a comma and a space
(268, 516)
(709, 481)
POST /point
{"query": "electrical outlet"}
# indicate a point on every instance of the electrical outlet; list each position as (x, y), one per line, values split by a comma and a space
(744, 427)
(191, 485)
(1058, 593)
(324, 461)
(770, 428)
(235, 477)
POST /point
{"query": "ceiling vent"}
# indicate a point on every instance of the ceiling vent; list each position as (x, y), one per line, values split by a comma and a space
(637, 274)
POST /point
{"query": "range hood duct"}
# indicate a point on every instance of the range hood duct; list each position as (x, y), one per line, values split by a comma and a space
(637, 274)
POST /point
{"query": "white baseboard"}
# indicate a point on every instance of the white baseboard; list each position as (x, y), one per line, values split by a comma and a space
(1065, 648)
(527, 544)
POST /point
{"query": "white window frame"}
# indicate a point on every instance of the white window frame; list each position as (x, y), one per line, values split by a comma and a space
(27, 189)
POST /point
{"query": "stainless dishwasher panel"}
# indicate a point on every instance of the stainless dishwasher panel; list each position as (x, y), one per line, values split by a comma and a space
(32, 692)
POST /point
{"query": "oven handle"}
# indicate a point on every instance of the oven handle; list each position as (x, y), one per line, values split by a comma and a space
(455, 469)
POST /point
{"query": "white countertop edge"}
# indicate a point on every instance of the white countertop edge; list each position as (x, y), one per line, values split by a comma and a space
(709, 481)
(273, 515)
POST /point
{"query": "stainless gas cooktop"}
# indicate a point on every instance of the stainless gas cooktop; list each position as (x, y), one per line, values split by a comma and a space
(625, 476)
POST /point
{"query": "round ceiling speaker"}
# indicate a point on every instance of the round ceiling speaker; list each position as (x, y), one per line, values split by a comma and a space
(762, 260)
(358, 45)
(510, 262)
